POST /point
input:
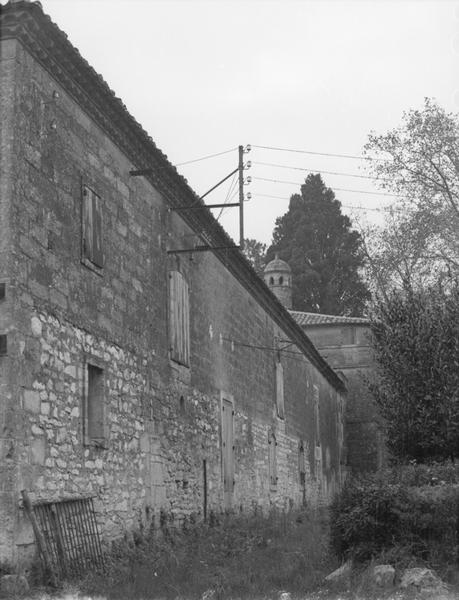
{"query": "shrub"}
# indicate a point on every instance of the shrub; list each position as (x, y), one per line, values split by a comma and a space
(376, 515)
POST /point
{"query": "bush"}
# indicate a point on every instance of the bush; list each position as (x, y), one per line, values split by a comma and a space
(379, 516)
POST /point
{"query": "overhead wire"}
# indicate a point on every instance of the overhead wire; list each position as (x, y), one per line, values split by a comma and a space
(353, 156)
(316, 171)
(381, 209)
(188, 162)
(334, 188)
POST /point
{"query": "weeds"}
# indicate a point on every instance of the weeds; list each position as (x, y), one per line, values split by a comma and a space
(236, 556)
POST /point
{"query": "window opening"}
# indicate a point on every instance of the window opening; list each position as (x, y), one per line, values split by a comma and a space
(179, 318)
(280, 390)
(94, 420)
(272, 446)
(92, 228)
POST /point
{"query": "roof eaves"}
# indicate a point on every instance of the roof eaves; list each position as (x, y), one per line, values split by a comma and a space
(51, 47)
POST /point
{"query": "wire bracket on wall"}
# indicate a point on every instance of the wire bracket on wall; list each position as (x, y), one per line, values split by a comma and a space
(240, 170)
(202, 249)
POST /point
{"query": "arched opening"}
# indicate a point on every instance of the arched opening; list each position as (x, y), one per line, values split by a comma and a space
(271, 281)
(281, 280)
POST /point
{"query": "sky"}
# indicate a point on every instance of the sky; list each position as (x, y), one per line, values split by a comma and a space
(204, 76)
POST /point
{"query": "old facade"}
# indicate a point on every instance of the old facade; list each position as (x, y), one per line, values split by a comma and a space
(345, 343)
(149, 379)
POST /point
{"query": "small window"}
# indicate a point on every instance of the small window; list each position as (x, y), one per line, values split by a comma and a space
(92, 229)
(2, 290)
(281, 280)
(272, 447)
(3, 344)
(280, 390)
(271, 281)
(317, 445)
(179, 318)
(94, 407)
(301, 464)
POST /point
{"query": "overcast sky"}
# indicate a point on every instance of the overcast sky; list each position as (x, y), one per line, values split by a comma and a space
(203, 76)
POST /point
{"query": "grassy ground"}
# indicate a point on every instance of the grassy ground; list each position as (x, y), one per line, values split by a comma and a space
(238, 557)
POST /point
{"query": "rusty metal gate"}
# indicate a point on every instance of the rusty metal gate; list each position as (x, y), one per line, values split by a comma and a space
(70, 536)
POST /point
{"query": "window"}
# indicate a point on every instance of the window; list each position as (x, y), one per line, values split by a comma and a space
(179, 319)
(281, 280)
(92, 229)
(94, 407)
(301, 464)
(2, 291)
(272, 446)
(271, 281)
(3, 344)
(317, 446)
(280, 390)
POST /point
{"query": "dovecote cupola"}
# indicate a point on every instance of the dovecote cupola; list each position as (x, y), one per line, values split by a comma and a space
(278, 277)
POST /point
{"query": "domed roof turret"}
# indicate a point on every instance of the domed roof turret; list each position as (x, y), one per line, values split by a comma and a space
(278, 277)
(276, 265)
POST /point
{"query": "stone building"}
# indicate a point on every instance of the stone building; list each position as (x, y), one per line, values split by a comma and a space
(345, 343)
(132, 370)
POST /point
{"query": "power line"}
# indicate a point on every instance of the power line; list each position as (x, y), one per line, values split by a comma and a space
(316, 171)
(384, 209)
(188, 162)
(316, 153)
(335, 189)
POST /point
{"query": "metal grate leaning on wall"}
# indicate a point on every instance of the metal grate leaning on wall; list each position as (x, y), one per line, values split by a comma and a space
(69, 536)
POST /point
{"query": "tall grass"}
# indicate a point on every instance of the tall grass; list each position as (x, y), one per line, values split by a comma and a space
(231, 556)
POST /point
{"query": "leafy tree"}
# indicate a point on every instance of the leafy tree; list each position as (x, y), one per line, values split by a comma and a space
(324, 253)
(416, 345)
(255, 252)
(419, 162)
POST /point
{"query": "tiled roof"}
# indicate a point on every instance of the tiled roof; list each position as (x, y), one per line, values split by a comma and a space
(307, 318)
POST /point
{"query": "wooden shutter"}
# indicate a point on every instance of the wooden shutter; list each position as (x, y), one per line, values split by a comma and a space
(316, 414)
(97, 253)
(92, 228)
(272, 446)
(227, 446)
(280, 390)
(179, 320)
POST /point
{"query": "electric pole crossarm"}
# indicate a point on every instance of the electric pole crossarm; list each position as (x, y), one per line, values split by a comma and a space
(223, 204)
(219, 183)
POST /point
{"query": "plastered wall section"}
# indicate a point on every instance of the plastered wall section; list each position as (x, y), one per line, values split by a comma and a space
(162, 420)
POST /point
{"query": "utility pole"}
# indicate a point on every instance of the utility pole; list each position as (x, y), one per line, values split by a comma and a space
(241, 197)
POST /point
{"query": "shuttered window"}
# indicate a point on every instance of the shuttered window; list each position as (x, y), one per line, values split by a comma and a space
(179, 318)
(317, 446)
(272, 447)
(92, 228)
(94, 407)
(280, 390)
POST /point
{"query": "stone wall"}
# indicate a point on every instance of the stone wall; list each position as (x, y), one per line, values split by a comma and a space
(347, 347)
(162, 420)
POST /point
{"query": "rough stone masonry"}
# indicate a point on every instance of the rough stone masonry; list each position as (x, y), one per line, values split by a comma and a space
(151, 380)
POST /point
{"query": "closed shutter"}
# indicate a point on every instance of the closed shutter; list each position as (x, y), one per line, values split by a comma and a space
(97, 255)
(280, 390)
(272, 445)
(179, 320)
(92, 228)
